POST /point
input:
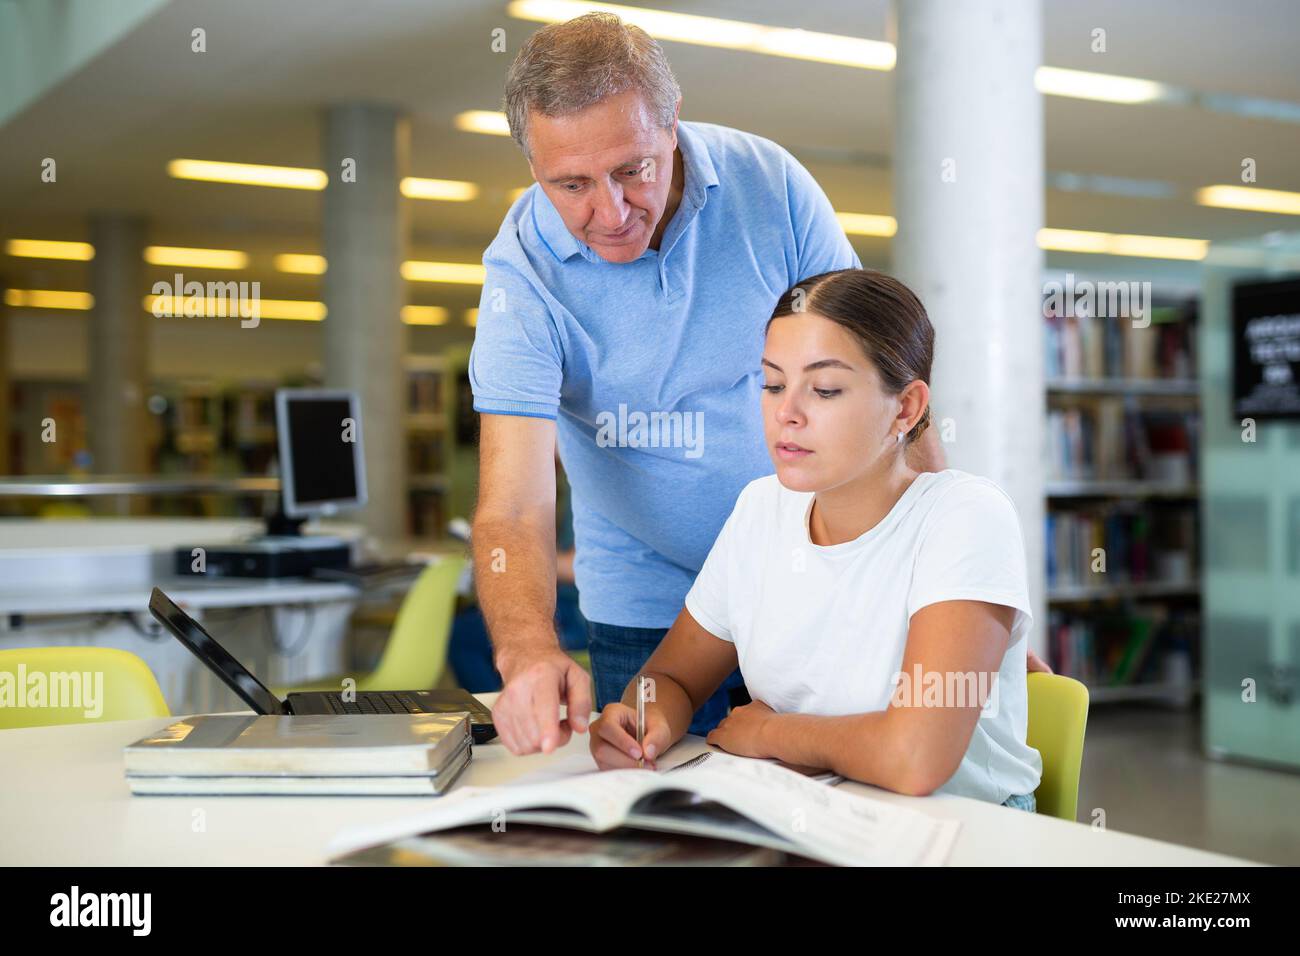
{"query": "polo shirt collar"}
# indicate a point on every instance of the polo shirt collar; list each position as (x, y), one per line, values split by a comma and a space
(700, 176)
(552, 229)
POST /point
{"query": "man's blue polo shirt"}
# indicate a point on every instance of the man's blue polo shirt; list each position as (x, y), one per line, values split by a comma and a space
(651, 367)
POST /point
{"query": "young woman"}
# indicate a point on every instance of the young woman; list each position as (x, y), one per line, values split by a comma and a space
(878, 615)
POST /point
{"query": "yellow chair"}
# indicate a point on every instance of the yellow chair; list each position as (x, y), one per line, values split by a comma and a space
(415, 657)
(120, 686)
(1058, 717)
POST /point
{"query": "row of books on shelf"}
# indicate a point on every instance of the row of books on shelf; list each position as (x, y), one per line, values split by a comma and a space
(1091, 348)
(427, 515)
(1141, 645)
(424, 453)
(423, 392)
(1108, 440)
(1114, 545)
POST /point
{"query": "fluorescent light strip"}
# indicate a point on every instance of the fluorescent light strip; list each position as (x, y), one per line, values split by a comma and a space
(196, 258)
(727, 34)
(220, 308)
(300, 264)
(246, 174)
(1104, 87)
(50, 249)
(468, 273)
(863, 53)
(866, 224)
(425, 315)
(48, 299)
(1120, 244)
(447, 190)
(490, 122)
(1250, 198)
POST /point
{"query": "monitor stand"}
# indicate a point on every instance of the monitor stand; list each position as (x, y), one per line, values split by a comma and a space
(280, 525)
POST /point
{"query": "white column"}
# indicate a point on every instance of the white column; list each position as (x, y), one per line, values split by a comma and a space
(364, 242)
(968, 196)
(120, 328)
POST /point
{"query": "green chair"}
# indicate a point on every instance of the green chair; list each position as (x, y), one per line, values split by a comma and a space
(1058, 717)
(415, 657)
(120, 686)
(583, 657)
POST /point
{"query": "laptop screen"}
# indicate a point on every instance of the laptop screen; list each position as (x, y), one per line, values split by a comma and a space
(217, 658)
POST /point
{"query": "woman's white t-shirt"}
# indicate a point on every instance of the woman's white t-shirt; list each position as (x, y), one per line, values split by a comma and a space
(822, 629)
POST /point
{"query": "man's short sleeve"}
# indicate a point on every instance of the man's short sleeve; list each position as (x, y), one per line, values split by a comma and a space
(820, 241)
(516, 364)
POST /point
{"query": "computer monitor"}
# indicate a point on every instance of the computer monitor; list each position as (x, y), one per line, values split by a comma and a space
(322, 460)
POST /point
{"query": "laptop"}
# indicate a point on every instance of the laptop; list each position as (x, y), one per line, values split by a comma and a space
(255, 694)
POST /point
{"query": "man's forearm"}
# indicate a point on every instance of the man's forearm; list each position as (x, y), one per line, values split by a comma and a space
(514, 575)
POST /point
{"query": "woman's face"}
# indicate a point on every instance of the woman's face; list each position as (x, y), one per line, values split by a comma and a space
(826, 417)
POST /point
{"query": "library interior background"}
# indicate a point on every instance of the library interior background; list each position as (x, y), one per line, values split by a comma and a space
(1130, 372)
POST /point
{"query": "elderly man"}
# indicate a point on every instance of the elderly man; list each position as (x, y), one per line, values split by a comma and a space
(622, 316)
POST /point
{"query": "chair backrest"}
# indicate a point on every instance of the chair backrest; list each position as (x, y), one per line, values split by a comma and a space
(416, 654)
(90, 684)
(1058, 718)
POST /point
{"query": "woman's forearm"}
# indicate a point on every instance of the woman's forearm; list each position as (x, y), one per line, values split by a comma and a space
(671, 699)
(872, 748)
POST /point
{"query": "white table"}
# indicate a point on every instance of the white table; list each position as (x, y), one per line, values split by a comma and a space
(64, 802)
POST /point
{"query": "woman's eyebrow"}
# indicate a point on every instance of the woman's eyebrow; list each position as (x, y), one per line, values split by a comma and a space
(824, 363)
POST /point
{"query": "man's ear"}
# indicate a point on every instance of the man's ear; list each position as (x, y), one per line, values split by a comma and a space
(677, 114)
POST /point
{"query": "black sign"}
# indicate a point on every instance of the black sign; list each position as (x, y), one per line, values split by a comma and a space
(1266, 349)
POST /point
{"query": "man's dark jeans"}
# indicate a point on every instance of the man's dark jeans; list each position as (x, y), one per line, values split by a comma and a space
(619, 653)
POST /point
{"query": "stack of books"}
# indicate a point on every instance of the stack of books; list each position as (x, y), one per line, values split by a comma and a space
(335, 754)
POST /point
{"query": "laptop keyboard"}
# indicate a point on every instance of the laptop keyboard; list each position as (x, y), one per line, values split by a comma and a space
(373, 702)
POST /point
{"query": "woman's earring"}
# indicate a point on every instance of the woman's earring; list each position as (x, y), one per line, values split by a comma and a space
(900, 438)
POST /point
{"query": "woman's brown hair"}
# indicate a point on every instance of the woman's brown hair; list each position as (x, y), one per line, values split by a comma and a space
(884, 315)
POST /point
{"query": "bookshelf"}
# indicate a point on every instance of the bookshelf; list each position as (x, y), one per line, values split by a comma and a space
(442, 440)
(1123, 501)
(427, 400)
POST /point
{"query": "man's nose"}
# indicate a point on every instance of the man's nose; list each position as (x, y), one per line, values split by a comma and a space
(610, 212)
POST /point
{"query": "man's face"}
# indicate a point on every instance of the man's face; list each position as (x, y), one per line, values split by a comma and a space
(608, 170)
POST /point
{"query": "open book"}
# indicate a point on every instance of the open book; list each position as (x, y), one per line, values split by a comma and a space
(732, 798)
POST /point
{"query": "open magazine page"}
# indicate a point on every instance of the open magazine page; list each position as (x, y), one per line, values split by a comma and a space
(826, 823)
(782, 809)
(599, 801)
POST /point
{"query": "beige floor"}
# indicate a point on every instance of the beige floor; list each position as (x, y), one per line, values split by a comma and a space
(1143, 765)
